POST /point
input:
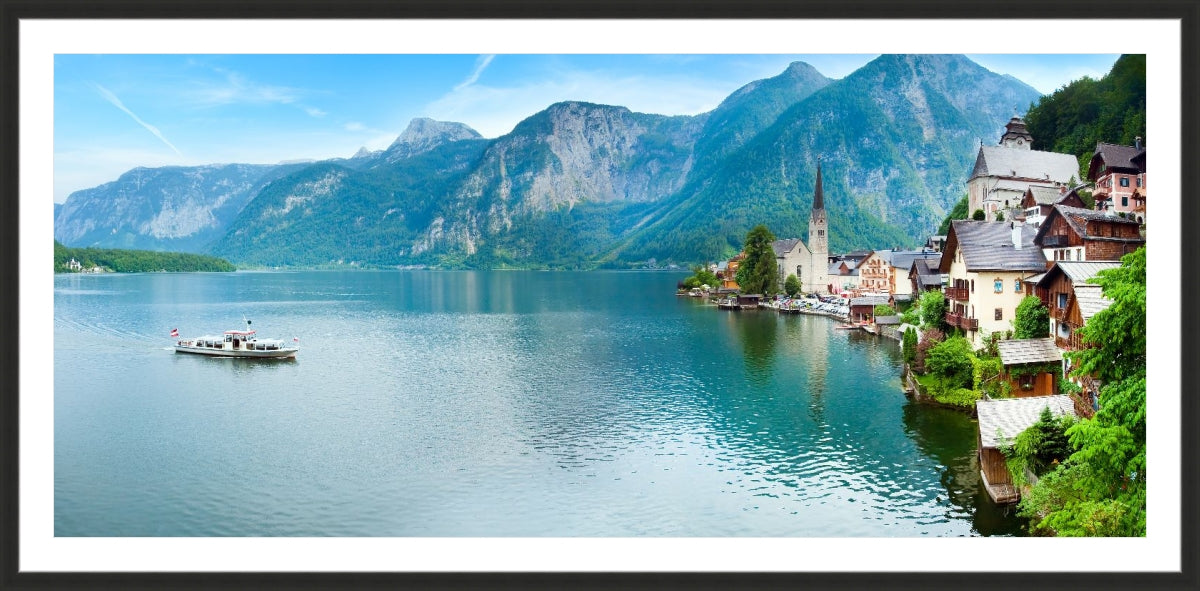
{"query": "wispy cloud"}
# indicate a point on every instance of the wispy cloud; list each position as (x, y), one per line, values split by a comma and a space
(314, 112)
(480, 65)
(116, 102)
(354, 126)
(235, 88)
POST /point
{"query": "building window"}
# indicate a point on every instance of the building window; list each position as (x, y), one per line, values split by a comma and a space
(1124, 201)
(999, 313)
(1016, 286)
(1062, 300)
(1139, 181)
(999, 287)
(972, 286)
(1124, 181)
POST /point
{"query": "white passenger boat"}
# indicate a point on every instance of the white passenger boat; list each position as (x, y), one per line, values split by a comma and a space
(237, 343)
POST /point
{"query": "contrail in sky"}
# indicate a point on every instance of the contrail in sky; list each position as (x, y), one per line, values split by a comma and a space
(480, 65)
(116, 102)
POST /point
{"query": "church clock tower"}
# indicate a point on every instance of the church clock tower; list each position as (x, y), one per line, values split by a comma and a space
(818, 243)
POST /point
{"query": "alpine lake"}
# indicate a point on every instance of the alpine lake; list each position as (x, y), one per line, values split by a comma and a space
(490, 404)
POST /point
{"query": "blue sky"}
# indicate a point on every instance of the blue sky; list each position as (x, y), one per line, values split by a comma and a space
(113, 112)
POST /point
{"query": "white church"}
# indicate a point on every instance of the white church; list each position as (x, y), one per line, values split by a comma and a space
(809, 263)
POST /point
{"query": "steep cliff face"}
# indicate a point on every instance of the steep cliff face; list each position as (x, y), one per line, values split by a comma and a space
(570, 153)
(170, 208)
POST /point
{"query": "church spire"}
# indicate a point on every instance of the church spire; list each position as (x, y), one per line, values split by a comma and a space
(818, 197)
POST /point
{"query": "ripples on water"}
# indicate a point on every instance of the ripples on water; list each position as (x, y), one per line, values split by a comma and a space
(489, 404)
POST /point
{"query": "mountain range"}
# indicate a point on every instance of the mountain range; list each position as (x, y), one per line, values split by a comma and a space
(580, 185)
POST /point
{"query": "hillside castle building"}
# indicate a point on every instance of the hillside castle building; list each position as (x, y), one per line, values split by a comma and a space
(809, 263)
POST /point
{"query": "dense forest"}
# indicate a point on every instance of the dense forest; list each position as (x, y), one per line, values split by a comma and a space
(1111, 109)
(135, 261)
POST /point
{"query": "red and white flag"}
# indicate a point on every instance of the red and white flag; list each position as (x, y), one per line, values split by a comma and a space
(174, 332)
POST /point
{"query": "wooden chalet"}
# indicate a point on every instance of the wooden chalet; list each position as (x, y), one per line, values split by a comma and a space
(1072, 301)
(1000, 421)
(1075, 234)
(925, 275)
(1029, 365)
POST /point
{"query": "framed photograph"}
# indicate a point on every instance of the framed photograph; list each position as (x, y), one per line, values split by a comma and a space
(518, 295)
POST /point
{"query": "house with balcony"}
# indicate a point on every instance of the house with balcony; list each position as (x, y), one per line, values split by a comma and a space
(1072, 301)
(1003, 173)
(1076, 234)
(986, 264)
(1117, 177)
(874, 272)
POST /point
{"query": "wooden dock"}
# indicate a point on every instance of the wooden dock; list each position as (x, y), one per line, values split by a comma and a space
(1002, 493)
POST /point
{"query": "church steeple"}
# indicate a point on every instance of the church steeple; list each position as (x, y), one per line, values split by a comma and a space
(818, 197)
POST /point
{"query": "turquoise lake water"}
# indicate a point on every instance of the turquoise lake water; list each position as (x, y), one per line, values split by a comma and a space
(427, 403)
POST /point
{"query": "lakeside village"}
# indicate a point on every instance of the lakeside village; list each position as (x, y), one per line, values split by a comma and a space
(1009, 315)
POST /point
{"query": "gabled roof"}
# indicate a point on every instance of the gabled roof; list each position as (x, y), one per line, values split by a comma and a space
(928, 273)
(1115, 157)
(1000, 421)
(903, 259)
(887, 320)
(1022, 351)
(988, 246)
(783, 247)
(1045, 195)
(1077, 218)
(1001, 161)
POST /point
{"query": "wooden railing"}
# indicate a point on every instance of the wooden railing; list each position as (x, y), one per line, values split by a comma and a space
(958, 294)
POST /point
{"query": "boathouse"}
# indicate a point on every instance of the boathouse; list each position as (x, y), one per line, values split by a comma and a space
(1030, 364)
(1000, 421)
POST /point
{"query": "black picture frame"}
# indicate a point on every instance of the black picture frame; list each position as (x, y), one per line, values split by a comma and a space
(13, 11)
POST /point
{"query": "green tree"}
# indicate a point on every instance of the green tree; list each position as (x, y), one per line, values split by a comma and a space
(1032, 320)
(791, 285)
(909, 343)
(999, 216)
(884, 310)
(933, 310)
(1040, 447)
(1101, 489)
(951, 361)
(978, 215)
(757, 273)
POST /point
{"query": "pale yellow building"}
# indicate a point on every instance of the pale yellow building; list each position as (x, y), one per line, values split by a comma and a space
(986, 263)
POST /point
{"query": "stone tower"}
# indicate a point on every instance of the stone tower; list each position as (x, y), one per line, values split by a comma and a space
(817, 280)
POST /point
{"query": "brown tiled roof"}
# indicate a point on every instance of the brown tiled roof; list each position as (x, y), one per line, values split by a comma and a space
(1078, 218)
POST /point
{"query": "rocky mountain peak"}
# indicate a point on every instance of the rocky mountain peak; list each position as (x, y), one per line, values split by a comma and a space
(423, 134)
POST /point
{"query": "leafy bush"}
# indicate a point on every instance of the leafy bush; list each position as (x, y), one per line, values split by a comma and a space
(979, 216)
(963, 397)
(952, 361)
(884, 310)
(988, 378)
(929, 339)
